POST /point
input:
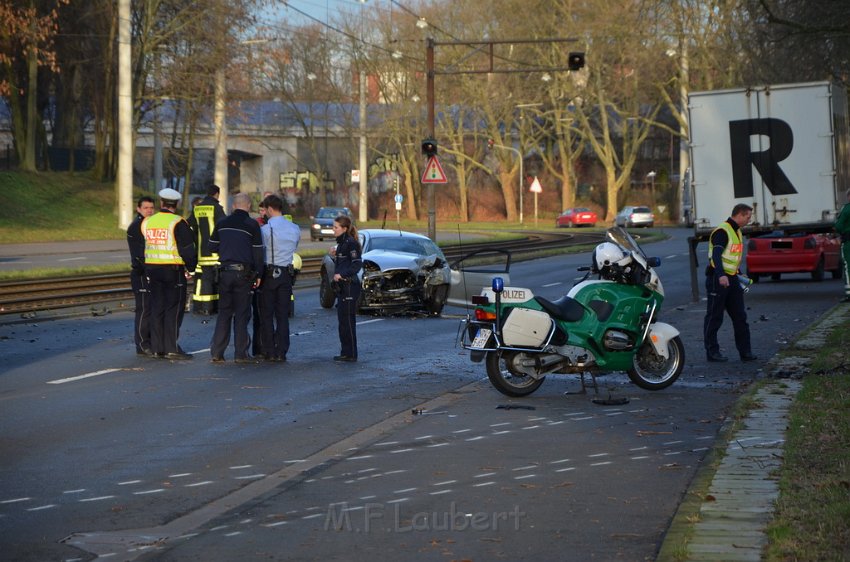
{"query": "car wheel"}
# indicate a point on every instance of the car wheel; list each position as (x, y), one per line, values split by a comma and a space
(817, 272)
(754, 277)
(435, 306)
(326, 293)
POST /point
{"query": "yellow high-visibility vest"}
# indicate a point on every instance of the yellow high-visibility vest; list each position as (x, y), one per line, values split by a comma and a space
(160, 243)
(733, 251)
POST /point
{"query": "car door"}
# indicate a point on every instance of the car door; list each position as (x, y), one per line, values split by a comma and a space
(475, 271)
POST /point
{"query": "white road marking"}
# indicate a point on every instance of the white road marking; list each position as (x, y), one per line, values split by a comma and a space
(74, 491)
(439, 492)
(142, 493)
(490, 483)
(399, 500)
(461, 431)
(240, 467)
(278, 524)
(501, 432)
(641, 457)
(128, 482)
(638, 448)
(313, 516)
(250, 477)
(523, 477)
(559, 461)
(370, 321)
(386, 443)
(527, 467)
(600, 463)
(42, 507)
(359, 457)
(423, 437)
(597, 455)
(484, 475)
(437, 445)
(566, 469)
(181, 475)
(16, 500)
(405, 490)
(531, 427)
(552, 284)
(72, 259)
(233, 534)
(400, 451)
(475, 438)
(196, 484)
(499, 424)
(671, 442)
(446, 483)
(97, 499)
(86, 376)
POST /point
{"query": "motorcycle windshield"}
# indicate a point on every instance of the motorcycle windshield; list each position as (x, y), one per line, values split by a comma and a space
(619, 236)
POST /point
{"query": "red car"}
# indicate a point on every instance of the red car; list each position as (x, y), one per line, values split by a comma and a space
(777, 253)
(576, 217)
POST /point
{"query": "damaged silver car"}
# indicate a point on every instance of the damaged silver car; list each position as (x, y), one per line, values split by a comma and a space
(403, 271)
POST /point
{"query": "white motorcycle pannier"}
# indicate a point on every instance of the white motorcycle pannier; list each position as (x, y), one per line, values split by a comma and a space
(526, 328)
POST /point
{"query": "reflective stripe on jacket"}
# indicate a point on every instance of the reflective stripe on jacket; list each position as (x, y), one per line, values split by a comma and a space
(733, 251)
(160, 243)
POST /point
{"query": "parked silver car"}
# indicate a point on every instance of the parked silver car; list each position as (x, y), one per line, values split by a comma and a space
(405, 271)
(634, 216)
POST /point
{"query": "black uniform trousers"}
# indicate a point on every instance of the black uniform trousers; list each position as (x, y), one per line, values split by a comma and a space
(168, 299)
(275, 300)
(234, 308)
(725, 300)
(346, 311)
(142, 322)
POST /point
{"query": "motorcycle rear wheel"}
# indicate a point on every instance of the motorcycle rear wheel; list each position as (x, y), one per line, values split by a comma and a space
(651, 371)
(506, 378)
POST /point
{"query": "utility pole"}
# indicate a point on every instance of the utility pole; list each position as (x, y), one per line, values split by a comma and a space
(220, 174)
(125, 117)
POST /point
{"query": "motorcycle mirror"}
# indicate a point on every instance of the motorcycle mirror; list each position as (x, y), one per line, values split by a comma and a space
(653, 262)
(498, 285)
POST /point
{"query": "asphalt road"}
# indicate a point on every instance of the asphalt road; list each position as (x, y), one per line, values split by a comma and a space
(312, 460)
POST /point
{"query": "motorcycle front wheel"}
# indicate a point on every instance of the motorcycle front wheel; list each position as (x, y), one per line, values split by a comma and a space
(506, 378)
(651, 371)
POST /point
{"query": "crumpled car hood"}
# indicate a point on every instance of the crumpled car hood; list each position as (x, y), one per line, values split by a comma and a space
(388, 261)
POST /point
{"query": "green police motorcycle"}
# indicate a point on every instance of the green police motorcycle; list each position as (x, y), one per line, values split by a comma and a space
(608, 322)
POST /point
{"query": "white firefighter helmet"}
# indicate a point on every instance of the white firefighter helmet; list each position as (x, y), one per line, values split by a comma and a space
(608, 253)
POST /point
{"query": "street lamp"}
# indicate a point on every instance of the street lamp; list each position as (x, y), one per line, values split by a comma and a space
(519, 155)
(651, 176)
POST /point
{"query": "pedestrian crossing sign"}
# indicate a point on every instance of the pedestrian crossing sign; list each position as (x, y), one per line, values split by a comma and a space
(434, 172)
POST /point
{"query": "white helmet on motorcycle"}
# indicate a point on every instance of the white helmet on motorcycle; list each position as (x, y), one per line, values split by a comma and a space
(607, 254)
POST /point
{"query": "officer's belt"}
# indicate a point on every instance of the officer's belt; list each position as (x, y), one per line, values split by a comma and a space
(234, 267)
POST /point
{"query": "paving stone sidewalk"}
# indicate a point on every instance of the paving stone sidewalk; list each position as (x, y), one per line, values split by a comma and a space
(735, 511)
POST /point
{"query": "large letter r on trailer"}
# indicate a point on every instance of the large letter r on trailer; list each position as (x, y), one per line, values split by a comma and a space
(745, 156)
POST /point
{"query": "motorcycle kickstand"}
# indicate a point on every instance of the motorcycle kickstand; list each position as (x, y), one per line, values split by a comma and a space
(584, 386)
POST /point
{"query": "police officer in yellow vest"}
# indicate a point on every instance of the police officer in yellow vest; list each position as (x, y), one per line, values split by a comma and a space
(170, 260)
(724, 289)
(204, 217)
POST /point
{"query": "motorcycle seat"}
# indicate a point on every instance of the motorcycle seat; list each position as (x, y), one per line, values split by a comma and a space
(565, 308)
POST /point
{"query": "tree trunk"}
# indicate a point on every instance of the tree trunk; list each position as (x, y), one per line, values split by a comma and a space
(409, 178)
(28, 160)
(507, 179)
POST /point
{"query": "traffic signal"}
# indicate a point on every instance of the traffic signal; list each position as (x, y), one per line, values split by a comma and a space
(575, 61)
(429, 147)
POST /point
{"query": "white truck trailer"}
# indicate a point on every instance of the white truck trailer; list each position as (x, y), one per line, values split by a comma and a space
(781, 149)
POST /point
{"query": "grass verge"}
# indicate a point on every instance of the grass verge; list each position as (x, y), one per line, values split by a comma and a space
(812, 517)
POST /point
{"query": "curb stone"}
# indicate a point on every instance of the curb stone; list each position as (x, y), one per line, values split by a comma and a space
(728, 520)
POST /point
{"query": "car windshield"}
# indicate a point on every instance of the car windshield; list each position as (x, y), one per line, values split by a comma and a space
(581, 209)
(329, 213)
(420, 247)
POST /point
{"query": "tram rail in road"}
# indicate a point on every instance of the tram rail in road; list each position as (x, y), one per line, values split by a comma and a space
(39, 295)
